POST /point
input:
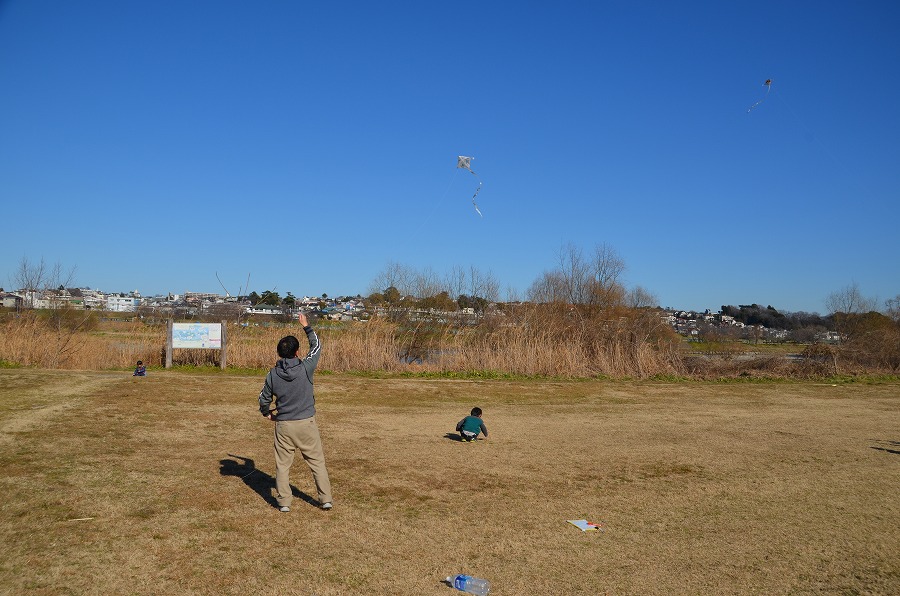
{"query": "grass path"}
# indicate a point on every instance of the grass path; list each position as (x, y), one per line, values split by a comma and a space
(703, 488)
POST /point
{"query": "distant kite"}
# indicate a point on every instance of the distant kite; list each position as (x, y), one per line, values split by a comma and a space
(466, 164)
(768, 86)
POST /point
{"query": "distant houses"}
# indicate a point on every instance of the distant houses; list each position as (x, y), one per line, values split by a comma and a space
(197, 303)
(690, 324)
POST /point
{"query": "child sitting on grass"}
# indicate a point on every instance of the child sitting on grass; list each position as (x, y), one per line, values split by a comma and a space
(140, 370)
(469, 427)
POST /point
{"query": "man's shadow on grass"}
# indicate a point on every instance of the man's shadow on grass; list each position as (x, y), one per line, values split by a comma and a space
(261, 483)
(889, 444)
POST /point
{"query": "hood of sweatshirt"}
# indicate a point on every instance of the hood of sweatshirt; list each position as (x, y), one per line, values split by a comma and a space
(290, 369)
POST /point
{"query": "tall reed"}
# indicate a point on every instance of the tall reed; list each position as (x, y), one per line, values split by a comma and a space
(530, 340)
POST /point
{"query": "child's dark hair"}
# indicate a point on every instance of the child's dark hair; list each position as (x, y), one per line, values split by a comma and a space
(140, 363)
(476, 411)
(288, 346)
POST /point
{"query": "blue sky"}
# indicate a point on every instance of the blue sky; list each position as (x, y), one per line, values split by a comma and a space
(153, 144)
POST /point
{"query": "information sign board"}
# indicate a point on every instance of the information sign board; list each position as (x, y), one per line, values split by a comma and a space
(197, 335)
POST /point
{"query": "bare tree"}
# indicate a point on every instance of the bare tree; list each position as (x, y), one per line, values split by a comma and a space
(849, 301)
(549, 287)
(483, 285)
(29, 278)
(892, 308)
(35, 279)
(639, 297)
(574, 275)
(455, 282)
(848, 308)
(40, 281)
(606, 270)
(579, 280)
(394, 275)
(426, 284)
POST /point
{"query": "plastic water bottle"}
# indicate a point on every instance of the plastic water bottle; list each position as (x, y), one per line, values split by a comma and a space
(472, 585)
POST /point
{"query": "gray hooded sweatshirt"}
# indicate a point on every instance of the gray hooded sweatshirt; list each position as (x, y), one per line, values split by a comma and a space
(290, 383)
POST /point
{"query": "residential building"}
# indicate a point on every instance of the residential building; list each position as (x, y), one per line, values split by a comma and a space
(10, 300)
(123, 302)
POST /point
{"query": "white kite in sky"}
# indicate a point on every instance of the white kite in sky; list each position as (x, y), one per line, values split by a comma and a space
(466, 164)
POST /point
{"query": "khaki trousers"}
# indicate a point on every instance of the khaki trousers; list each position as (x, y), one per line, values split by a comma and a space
(302, 435)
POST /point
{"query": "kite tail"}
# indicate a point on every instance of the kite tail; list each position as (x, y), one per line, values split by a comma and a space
(768, 88)
(477, 190)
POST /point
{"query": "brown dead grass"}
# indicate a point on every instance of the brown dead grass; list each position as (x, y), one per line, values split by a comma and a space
(703, 488)
(638, 345)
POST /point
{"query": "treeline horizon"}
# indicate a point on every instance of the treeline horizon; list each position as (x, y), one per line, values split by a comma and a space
(579, 278)
(578, 320)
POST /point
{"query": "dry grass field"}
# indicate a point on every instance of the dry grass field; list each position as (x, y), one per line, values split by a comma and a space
(162, 485)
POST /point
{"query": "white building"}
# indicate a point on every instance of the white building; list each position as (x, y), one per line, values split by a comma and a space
(122, 302)
(10, 300)
(263, 309)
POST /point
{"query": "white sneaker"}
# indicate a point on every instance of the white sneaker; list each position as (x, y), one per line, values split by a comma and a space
(327, 506)
(285, 509)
